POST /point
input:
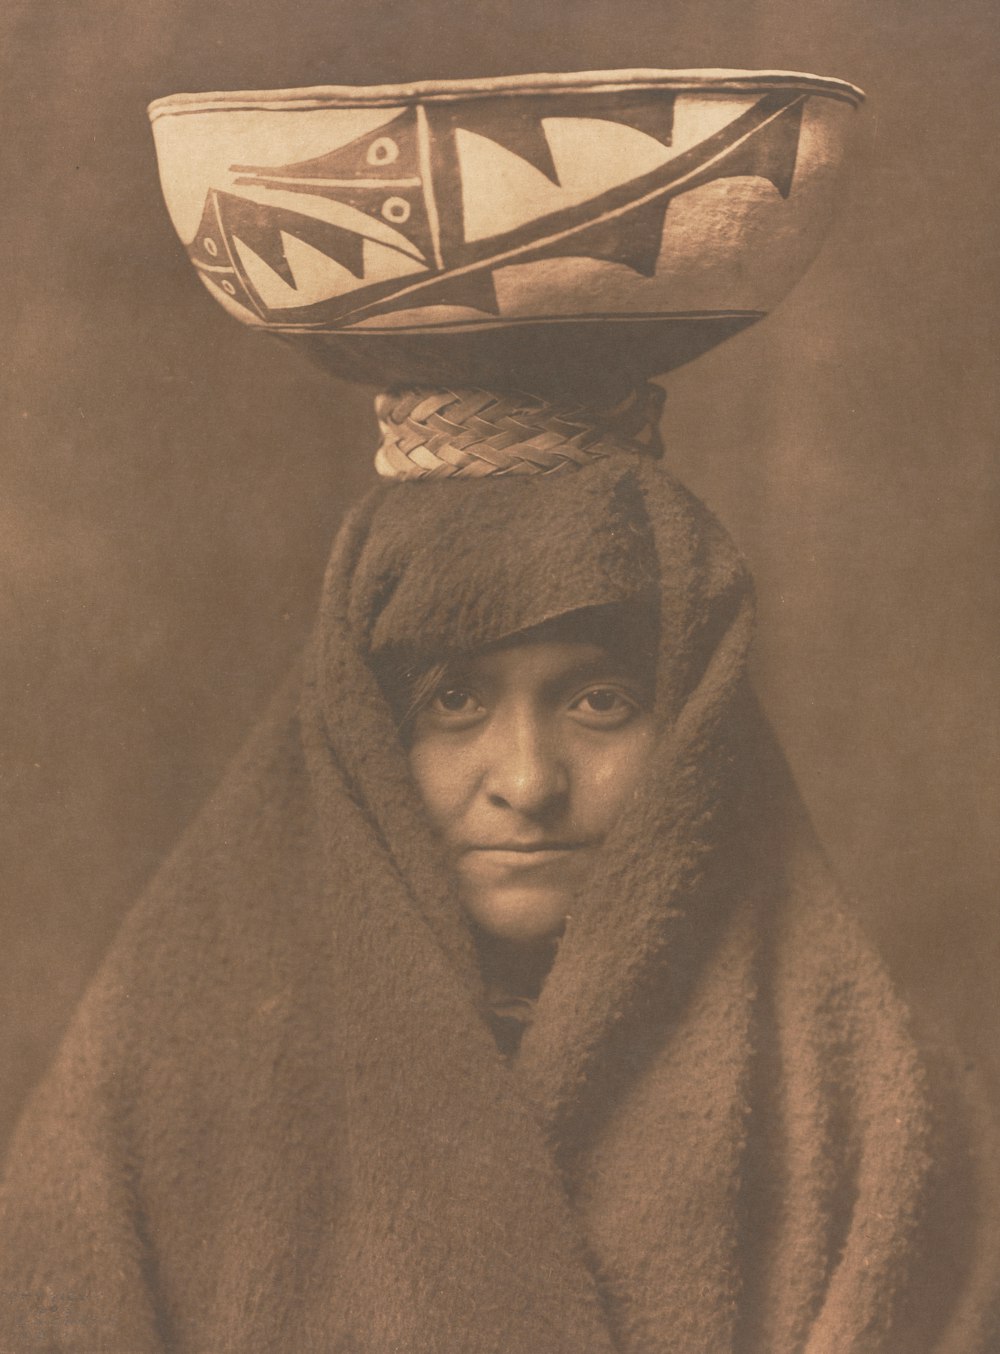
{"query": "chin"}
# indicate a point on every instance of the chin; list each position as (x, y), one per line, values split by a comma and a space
(519, 914)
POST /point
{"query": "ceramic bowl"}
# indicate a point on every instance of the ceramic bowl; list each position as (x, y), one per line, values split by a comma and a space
(540, 230)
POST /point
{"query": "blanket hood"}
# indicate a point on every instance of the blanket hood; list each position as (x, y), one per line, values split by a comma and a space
(281, 1120)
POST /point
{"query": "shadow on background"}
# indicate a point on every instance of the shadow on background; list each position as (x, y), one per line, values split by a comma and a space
(171, 483)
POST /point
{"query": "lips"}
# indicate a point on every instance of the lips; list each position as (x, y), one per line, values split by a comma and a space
(535, 861)
(527, 848)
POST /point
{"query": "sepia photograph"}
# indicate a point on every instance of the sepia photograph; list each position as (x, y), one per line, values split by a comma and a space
(500, 738)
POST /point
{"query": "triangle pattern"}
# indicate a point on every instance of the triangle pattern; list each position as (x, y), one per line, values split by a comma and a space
(474, 289)
(402, 208)
(633, 239)
(261, 229)
(768, 153)
(500, 190)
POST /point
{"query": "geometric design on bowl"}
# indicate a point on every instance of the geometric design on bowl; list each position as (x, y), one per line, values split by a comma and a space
(399, 218)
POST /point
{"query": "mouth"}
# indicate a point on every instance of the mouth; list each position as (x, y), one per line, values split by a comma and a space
(544, 848)
(534, 862)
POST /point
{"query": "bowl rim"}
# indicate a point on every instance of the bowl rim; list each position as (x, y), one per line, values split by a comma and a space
(372, 96)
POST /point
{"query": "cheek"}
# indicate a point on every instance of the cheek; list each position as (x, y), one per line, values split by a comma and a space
(606, 776)
(443, 778)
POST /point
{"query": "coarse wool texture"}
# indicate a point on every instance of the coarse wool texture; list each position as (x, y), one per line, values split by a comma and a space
(280, 1121)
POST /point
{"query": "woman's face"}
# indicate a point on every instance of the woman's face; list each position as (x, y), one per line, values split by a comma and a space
(525, 755)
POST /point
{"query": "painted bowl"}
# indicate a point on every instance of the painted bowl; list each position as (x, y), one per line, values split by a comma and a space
(547, 231)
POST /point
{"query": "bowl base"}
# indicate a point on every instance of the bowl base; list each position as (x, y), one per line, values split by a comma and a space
(597, 362)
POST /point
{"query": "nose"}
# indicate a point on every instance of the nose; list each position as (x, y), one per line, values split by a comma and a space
(527, 770)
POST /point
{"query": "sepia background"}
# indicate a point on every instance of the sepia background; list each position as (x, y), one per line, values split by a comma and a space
(170, 483)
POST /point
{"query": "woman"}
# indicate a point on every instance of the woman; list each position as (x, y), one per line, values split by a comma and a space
(501, 1000)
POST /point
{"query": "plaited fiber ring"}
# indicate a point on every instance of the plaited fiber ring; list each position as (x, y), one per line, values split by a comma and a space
(470, 434)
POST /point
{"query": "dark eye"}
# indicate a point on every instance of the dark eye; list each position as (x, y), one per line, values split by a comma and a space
(454, 700)
(605, 707)
(602, 700)
(454, 707)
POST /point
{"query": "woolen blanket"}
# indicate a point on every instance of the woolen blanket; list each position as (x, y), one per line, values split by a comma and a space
(280, 1120)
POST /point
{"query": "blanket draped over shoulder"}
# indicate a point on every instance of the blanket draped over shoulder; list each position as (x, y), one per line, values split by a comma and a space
(281, 1122)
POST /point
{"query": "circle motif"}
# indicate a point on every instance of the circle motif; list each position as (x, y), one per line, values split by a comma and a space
(383, 151)
(227, 286)
(210, 246)
(396, 210)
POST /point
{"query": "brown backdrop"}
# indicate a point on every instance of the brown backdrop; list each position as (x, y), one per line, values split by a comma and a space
(171, 482)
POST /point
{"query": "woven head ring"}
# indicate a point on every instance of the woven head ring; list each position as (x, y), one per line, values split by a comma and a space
(469, 434)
